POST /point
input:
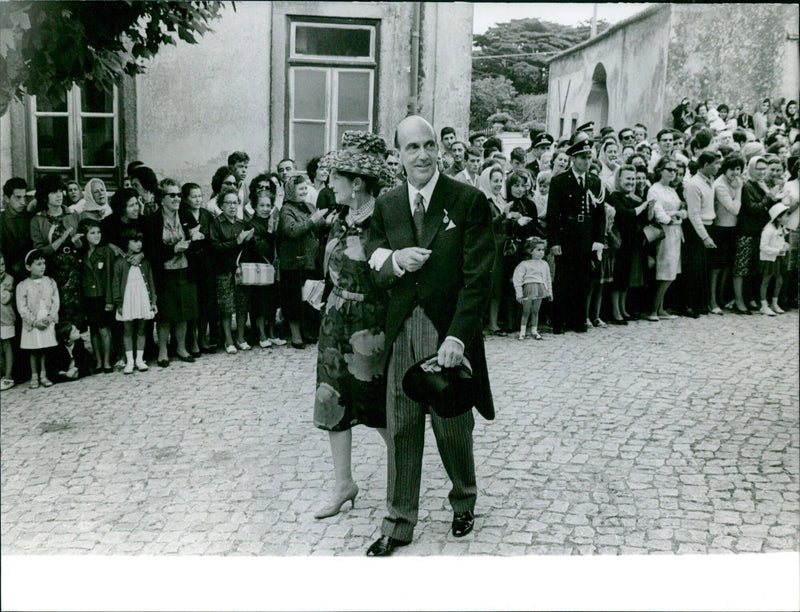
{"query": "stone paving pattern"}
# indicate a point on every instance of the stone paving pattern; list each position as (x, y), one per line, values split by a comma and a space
(675, 437)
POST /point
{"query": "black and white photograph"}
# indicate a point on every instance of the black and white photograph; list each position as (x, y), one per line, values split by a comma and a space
(507, 292)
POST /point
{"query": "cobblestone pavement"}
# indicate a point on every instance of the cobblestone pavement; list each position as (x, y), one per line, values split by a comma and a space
(675, 437)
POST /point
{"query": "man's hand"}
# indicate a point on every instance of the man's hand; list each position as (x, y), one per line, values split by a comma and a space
(412, 259)
(451, 353)
(556, 250)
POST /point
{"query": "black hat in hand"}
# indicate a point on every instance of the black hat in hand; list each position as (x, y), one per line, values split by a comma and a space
(450, 392)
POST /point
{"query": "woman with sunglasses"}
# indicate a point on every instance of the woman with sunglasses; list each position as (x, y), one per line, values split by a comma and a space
(168, 235)
(668, 212)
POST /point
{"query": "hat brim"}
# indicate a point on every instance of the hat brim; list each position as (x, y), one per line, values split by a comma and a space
(449, 392)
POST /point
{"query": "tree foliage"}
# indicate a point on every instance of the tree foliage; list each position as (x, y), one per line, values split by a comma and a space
(527, 74)
(489, 96)
(45, 47)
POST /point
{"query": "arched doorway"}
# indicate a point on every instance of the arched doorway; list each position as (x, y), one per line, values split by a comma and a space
(597, 102)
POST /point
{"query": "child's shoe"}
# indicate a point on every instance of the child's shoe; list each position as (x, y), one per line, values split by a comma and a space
(777, 309)
(536, 335)
(45, 381)
(278, 341)
(142, 366)
(6, 383)
(766, 310)
(34, 384)
(128, 368)
(264, 343)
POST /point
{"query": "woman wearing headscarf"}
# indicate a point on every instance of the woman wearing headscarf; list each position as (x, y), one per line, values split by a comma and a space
(753, 216)
(491, 182)
(351, 388)
(95, 201)
(630, 218)
(54, 230)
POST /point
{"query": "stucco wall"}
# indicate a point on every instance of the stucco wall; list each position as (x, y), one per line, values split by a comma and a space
(446, 65)
(5, 147)
(198, 103)
(635, 61)
(732, 53)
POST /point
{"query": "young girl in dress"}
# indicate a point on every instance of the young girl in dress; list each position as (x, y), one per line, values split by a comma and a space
(773, 257)
(7, 320)
(532, 283)
(132, 290)
(98, 266)
(37, 304)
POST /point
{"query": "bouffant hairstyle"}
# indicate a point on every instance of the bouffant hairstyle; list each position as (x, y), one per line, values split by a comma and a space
(120, 199)
(264, 177)
(49, 183)
(660, 165)
(220, 175)
(146, 177)
(731, 162)
(223, 192)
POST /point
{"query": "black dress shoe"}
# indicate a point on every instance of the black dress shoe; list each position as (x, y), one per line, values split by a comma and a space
(208, 349)
(463, 522)
(619, 321)
(163, 363)
(187, 358)
(385, 546)
(298, 345)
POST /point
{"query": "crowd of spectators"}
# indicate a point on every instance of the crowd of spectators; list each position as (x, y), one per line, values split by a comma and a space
(94, 282)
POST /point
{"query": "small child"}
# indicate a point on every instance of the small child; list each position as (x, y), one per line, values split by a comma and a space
(532, 284)
(773, 257)
(71, 359)
(132, 290)
(98, 266)
(7, 320)
(37, 304)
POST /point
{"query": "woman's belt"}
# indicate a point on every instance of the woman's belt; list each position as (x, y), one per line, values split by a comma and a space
(348, 295)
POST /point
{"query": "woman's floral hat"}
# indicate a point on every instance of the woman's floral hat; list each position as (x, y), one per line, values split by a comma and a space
(361, 153)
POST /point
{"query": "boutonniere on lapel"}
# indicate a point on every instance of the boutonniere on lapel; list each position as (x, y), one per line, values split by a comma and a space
(446, 221)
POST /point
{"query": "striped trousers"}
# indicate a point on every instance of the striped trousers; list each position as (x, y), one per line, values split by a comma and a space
(405, 419)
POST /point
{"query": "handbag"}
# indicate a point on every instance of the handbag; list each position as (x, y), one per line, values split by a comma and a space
(653, 233)
(254, 274)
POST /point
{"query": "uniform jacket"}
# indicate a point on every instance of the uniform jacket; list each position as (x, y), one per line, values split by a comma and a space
(565, 202)
(454, 285)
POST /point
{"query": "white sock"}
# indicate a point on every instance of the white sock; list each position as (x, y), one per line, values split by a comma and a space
(139, 357)
(522, 330)
(129, 357)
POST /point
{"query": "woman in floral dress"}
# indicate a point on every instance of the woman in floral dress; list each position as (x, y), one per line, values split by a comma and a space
(351, 388)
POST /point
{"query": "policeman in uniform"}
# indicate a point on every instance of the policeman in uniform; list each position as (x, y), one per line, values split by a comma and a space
(576, 226)
(541, 143)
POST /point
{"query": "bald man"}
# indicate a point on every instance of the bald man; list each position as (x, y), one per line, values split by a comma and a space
(431, 246)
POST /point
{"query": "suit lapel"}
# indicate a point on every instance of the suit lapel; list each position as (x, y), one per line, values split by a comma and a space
(400, 225)
(435, 213)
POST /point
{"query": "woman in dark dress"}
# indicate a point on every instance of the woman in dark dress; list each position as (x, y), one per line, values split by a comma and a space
(351, 387)
(203, 274)
(168, 237)
(54, 230)
(631, 215)
(125, 209)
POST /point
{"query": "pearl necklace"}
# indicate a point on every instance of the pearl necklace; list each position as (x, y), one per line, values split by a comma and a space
(358, 216)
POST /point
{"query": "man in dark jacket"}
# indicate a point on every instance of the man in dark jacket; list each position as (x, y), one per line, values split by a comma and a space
(432, 247)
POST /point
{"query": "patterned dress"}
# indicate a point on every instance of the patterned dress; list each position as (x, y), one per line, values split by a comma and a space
(351, 387)
(65, 266)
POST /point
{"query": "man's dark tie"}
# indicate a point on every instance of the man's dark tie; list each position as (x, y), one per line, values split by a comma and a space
(580, 181)
(419, 217)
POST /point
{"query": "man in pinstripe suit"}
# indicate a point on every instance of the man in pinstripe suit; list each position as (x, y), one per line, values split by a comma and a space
(431, 246)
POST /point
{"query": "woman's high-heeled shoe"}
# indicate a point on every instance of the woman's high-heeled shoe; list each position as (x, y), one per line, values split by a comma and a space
(336, 507)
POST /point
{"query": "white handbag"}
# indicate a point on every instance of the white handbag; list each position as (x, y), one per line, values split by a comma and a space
(254, 274)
